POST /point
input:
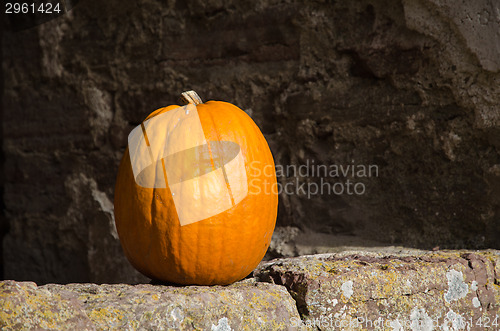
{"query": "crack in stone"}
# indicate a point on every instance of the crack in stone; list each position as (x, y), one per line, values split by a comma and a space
(471, 266)
(295, 287)
(426, 292)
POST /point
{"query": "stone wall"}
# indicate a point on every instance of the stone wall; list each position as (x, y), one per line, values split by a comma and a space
(455, 290)
(409, 86)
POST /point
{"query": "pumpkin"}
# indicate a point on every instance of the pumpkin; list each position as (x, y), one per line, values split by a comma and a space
(195, 196)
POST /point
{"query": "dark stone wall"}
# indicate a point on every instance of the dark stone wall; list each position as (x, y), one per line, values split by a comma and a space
(412, 87)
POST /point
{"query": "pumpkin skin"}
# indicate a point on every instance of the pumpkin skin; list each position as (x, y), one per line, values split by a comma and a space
(220, 249)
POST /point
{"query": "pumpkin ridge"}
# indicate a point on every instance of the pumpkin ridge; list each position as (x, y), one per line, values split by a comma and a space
(223, 239)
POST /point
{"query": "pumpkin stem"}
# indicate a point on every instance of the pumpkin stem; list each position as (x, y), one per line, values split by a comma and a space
(191, 97)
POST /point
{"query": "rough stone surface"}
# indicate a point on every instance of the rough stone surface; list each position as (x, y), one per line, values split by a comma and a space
(443, 290)
(247, 305)
(446, 290)
(410, 86)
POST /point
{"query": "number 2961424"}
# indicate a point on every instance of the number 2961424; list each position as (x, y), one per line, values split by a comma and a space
(32, 8)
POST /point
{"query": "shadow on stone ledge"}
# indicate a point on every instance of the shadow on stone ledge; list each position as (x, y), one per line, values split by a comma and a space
(450, 290)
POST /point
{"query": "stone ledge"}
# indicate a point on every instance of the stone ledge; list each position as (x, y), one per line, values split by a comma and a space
(246, 305)
(402, 291)
(344, 291)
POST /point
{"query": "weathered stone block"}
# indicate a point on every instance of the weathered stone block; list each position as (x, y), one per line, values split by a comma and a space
(247, 305)
(364, 291)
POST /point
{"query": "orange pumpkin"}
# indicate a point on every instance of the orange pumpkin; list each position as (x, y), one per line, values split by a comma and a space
(195, 199)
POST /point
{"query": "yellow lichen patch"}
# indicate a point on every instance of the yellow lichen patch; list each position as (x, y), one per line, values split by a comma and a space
(259, 302)
(106, 317)
(138, 301)
(46, 310)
